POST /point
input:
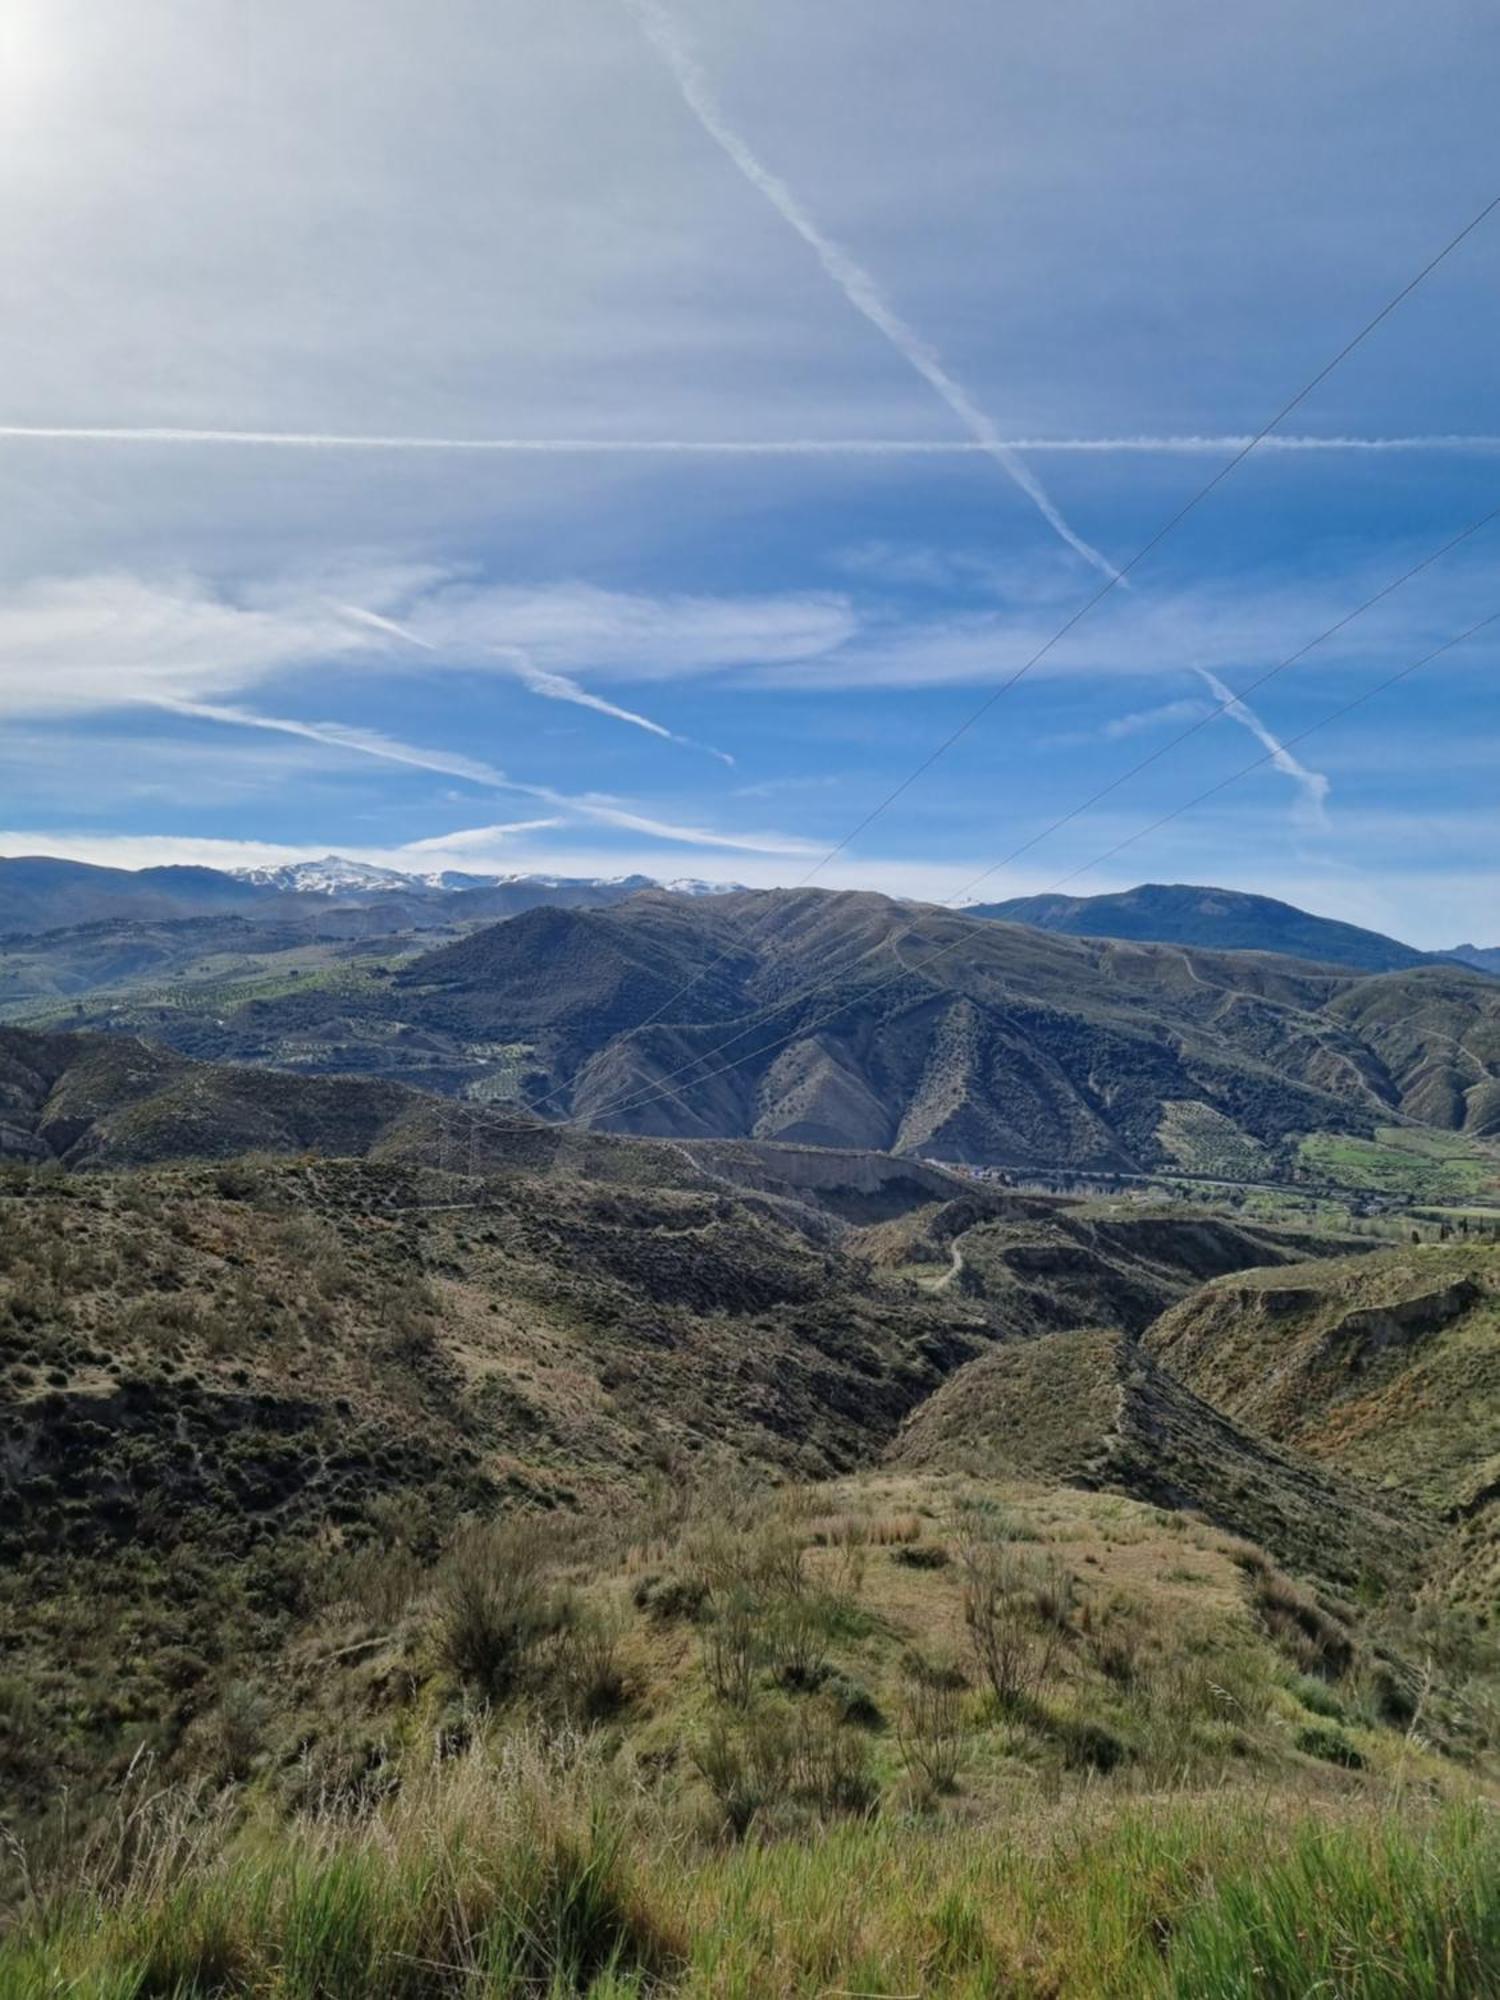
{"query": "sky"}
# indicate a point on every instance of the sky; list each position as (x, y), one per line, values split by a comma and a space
(613, 436)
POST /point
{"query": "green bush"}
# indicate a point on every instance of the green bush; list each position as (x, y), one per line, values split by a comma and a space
(1332, 1745)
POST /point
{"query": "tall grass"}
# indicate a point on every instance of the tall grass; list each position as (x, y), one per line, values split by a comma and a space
(541, 1871)
(498, 1875)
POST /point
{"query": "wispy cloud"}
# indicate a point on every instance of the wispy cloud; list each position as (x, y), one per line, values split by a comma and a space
(1142, 719)
(503, 831)
(561, 687)
(852, 279)
(1314, 784)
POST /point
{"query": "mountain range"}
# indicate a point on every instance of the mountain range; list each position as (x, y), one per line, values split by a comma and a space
(806, 1016)
(41, 894)
(835, 1018)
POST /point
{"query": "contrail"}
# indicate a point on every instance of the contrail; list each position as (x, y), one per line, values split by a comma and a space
(1191, 444)
(559, 687)
(554, 686)
(378, 623)
(372, 743)
(341, 736)
(1314, 783)
(858, 287)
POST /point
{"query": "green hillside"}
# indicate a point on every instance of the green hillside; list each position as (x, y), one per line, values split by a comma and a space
(1387, 1368)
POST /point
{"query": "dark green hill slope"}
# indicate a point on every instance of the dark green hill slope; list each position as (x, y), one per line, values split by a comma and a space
(1436, 1035)
(1014, 1047)
(211, 1376)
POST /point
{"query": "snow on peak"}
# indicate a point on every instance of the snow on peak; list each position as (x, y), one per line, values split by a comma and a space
(336, 875)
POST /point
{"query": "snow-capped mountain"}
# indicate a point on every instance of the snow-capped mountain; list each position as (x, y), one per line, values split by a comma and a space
(336, 875)
(332, 876)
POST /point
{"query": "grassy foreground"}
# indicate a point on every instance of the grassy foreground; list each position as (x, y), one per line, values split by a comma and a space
(529, 1873)
(891, 1737)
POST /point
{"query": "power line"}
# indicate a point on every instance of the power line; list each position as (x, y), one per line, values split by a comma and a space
(665, 1089)
(1142, 764)
(1111, 583)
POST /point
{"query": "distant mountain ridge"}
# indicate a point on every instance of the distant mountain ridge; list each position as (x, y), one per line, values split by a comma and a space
(1222, 920)
(1477, 955)
(40, 893)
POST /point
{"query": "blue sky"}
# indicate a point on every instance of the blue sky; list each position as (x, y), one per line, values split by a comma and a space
(766, 243)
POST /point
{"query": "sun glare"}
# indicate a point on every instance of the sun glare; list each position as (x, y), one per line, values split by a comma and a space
(30, 59)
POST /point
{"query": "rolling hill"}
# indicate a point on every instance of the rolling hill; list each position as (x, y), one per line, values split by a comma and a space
(1216, 919)
(1089, 1407)
(1045, 1264)
(211, 1377)
(850, 1020)
(424, 1439)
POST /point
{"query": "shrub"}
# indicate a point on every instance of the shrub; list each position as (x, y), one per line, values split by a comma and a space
(1331, 1745)
(667, 1599)
(778, 1756)
(239, 1728)
(496, 1607)
(1015, 1606)
(930, 1727)
(922, 1555)
(1318, 1642)
(797, 1638)
(852, 1699)
(1317, 1696)
(1117, 1634)
(586, 1676)
(729, 1651)
(1090, 1746)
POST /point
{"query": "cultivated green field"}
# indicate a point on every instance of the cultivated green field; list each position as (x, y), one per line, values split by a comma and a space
(1427, 1166)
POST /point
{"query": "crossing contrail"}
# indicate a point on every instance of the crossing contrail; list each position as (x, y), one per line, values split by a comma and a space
(1189, 444)
(852, 279)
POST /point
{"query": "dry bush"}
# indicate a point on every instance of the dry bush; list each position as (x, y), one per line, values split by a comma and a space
(767, 1563)
(777, 1757)
(585, 1677)
(890, 1530)
(1118, 1633)
(730, 1650)
(798, 1637)
(1016, 1609)
(1318, 1642)
(930, 1721)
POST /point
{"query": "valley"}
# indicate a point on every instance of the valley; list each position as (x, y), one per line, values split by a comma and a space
(396, 1480)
